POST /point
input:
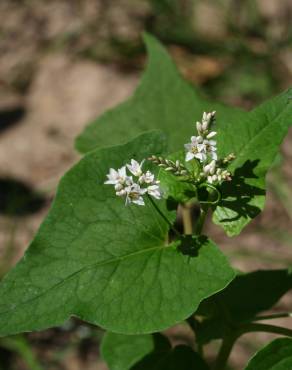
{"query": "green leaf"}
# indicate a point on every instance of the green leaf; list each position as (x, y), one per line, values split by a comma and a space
(172, 186)
(180, 357)
(123, 351)
(148, 352)
(255, 139)
(277, 355)
(253, 292)
(106, 263)
(245, 297)
(164, 100)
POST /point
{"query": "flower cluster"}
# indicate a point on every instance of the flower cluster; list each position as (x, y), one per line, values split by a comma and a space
(133, 191)
(214, 173)
(205, 150)
(201, 147)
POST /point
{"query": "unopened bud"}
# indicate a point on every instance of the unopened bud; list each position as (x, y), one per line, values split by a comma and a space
(205, 125)
(229, 158)
(199, 127)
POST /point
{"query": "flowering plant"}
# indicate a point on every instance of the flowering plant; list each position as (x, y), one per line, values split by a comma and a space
(116, 256)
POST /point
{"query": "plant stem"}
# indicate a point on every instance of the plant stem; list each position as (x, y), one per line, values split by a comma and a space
(273, 316)
(186, 210)
(225, 350)
(163, 216)
(201, 220)
(230, 338)
(194, 324)
(248, 328)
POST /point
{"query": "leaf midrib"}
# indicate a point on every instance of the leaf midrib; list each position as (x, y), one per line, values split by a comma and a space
(88, 267)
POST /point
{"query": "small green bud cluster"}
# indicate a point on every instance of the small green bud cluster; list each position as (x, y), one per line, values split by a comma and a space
(177, 168)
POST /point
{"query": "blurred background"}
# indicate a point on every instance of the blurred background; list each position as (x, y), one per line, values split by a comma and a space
(63, 62)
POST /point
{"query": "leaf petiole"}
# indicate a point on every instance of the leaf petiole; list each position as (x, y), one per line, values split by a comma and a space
(163, 216)
(273, 316)
(217, 200)
(248, 328)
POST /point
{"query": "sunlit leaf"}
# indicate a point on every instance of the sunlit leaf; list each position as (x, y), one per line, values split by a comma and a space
(105, 262)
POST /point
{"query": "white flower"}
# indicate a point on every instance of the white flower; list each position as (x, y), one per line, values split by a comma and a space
(135, 168)
(154, 191)
(147, 178)
(118, 177)
(210, 148)
(133, 191)
(196, 149)
(134, 194)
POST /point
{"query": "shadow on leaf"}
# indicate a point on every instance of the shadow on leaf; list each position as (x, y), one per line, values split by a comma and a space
(191, 244)
(164, 357)
(237, 193)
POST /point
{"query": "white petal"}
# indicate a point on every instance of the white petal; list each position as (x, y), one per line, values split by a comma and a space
(205, 125)
(111, 182)
(154, 191)
(189, 156)
(128, 200)
(188, 146)
(135, 167)
(201, 156)
(202, 147)
(112, 177)
(139, 201)
(199, 127)
(122, 172)
(118, 187)
(211, 134)
(206, 169)
(148, 178)
(214, 156)
(121, 193)
(128, 180)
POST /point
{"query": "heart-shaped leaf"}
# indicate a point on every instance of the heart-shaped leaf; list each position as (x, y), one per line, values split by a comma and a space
(105, 262)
